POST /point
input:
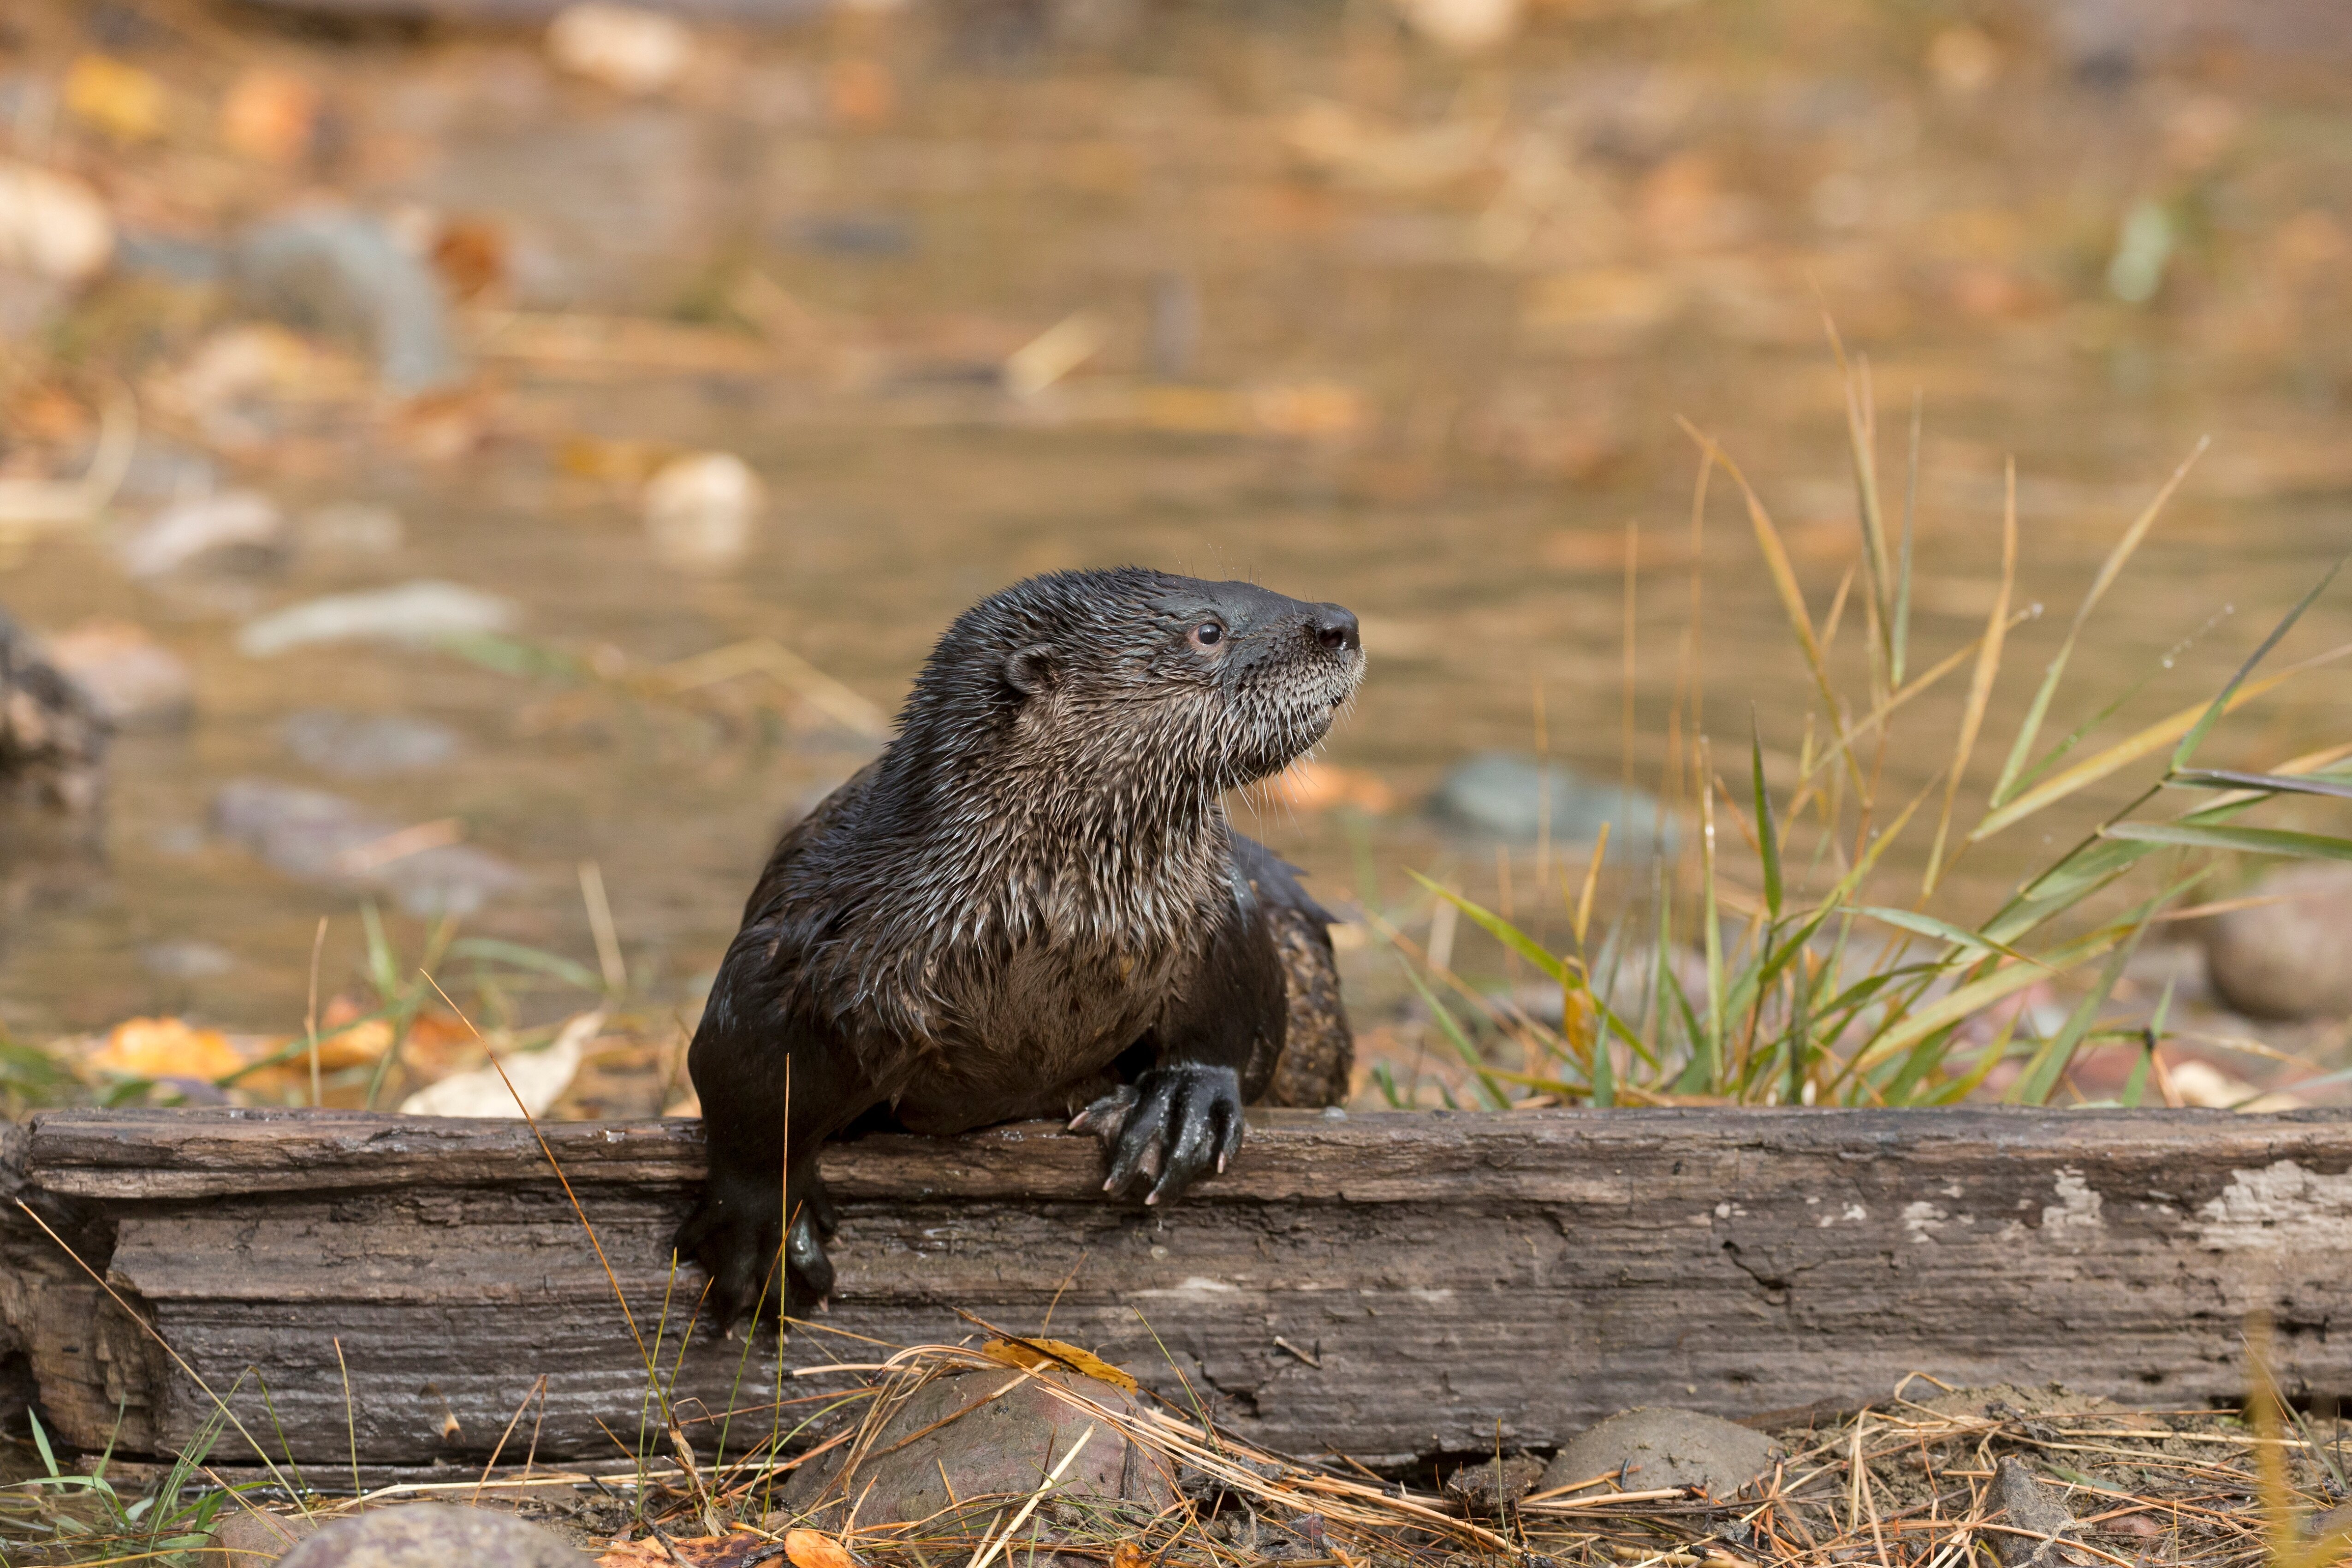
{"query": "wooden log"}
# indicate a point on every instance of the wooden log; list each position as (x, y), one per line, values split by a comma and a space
(1388, 1285)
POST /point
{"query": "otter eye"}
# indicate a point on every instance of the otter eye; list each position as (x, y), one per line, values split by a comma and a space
(1208, 634)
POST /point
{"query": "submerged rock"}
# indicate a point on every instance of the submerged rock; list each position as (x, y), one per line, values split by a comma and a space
(2291, 958)
(1654, 1448)
(1502, 793)
(315, 837)
(434, 1535)
(338, 270)
(364, 745)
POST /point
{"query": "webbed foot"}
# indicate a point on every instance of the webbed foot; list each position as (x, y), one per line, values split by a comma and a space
(1171, 1126)
(735, 1234)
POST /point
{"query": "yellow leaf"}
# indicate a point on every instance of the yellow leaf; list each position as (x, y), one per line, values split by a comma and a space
(166, 1048)
(813, 1549)
(121, 100)
(1040, 1355)
(1127, 1555)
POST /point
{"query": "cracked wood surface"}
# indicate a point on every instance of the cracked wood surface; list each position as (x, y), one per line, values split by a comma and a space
(1391, 1285)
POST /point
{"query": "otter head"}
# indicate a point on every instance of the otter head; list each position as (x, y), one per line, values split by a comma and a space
(1137, 685)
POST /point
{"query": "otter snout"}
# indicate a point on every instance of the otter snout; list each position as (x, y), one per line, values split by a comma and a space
(1336, 628)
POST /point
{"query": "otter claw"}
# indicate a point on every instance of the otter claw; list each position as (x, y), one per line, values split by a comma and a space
(1173, 1126)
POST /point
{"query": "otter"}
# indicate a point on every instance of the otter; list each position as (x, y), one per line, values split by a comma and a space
(1031, 904)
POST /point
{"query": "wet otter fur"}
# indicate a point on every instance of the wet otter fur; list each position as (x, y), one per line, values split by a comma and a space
(1031, 904)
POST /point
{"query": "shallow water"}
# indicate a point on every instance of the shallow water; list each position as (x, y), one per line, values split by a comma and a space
(1378, 327)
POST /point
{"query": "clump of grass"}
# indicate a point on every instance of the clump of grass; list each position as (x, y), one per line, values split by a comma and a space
(1804, 991)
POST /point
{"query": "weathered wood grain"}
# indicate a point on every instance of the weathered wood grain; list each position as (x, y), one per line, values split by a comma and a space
(1388, 1285)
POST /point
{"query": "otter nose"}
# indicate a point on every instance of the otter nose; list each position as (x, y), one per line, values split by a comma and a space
(1335, 627)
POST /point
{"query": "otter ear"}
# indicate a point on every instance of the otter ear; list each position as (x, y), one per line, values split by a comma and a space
(1030, 670)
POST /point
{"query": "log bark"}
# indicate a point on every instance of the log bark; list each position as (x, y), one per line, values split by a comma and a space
(1389, 1286)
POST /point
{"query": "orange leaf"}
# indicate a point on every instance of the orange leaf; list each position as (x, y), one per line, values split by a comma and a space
(813, 1549)
(1128, 1556)
(1039, 1355)
(166, 1048)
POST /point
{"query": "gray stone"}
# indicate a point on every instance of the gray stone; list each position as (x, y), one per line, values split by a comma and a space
(1658, 1447)
(316, 836)
(1490, 1485)
(2027, 1503)
(987, 1441)
(1501, 795)
(2291, 958)
(334, 269)
(434, 1535)
(362, 745)
(247, 1539)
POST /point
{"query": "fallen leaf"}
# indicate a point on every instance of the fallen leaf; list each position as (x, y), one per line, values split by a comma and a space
(166, 1048)
(539, 1079)
(121, 100)
(813, 1549)
(270, 115)
(1040, 1355)
(738, 1549)
(1127, 1555)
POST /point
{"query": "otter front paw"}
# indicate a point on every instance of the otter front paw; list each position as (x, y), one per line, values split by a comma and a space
(1172, 1125)
(735, 1234)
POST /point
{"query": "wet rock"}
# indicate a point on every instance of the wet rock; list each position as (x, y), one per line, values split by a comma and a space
(984, 1449)
(134, 682)
(701, 509)
(364, 745)
(434, 1535)
(2291, 958)
(1658, 1447)
(239, 531)
(416, 613)
(628, 49)
(1501, 794)
(52, 738)
(337, 270)
(1490, 1485)
(2027, 1503)
(52, 226)
(247, 1539)
(315, 837)
(354, 528)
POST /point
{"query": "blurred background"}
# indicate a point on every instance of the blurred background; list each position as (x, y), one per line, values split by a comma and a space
(495, 462)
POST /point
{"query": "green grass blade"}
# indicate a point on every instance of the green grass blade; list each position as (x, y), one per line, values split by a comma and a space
(1502, 930)
(2109, 570)
(2005, 980)
(1942, 930)
(2222, 703)
(2132, 748)
(1768, 837)
(1899, 636)
(515, 955)
(2334, 785)
(1461, 1042)
(2049, 1064)
(2244, 840)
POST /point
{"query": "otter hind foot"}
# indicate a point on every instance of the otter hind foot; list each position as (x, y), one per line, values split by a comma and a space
(1171, 1127)
(736, 1233)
